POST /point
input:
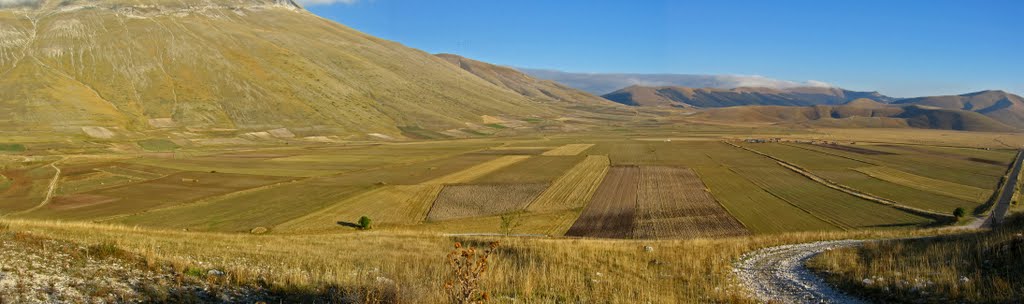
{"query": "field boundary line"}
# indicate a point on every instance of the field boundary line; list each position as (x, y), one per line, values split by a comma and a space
(832, 154)
(880, 173)
(854, 192)
(833, 223)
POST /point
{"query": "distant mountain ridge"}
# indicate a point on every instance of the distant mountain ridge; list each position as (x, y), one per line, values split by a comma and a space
(677, 96)
(999, 105)
(859, 113)
(604, 83)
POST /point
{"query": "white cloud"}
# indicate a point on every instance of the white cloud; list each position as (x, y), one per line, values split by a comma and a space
(318, 2)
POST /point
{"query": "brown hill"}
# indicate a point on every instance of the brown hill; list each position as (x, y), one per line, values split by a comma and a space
(246, 65)
(677, 96)
(999, 105)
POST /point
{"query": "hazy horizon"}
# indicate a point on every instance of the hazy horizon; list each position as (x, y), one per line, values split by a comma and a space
(902, 49)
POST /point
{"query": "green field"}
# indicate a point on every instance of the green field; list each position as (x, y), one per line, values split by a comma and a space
(862, 166)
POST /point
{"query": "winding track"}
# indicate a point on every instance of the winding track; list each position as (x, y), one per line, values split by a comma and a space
(779, 274)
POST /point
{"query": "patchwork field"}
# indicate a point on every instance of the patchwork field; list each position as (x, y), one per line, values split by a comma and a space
(612, 210)
(654, 202)
(837, 208)
(959, 191)
(674, 203)
(758, 210)
(568, 150)
(467, 201)
(480, 170)
(396, 205)
(623, 184)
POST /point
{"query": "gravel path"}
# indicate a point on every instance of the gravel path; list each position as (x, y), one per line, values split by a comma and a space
(778, 275)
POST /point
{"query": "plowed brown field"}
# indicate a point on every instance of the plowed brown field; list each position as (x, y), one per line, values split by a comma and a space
(673, 202)
(612, 209)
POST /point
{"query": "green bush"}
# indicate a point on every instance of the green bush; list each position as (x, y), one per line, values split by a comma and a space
(12, 147)
(364, 223)
(959, 212)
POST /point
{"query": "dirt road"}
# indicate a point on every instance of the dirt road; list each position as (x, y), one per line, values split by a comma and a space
(778, 275)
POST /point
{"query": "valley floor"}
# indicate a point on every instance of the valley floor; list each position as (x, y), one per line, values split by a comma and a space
(655, 215)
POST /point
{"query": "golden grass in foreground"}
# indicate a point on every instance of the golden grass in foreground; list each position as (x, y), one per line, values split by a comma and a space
(983, 267)
(568, 150)
(400, 204)
(474, 172)
(525, 269)
(951, 189)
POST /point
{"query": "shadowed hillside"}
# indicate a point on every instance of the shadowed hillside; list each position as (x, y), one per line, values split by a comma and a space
(860, 113)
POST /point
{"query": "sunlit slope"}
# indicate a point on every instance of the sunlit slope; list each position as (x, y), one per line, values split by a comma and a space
(537, 89)
(249, 65)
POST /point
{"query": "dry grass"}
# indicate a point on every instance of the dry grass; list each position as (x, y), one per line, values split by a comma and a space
(474, 172)
(400, 204)
(951, 189)
(463, 201)
(980, 267)
(568, 150)
(674, 203)
(532, 270)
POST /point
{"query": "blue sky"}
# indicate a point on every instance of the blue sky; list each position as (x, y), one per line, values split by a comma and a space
(899, 47)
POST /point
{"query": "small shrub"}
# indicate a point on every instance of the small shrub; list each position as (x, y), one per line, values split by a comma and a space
(104, 250)
(959, 212)
(195, 272)
(468, 266)
(365, 222)
(510, 222)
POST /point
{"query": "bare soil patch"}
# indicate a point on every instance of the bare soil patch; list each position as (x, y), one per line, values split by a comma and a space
(857, 150)
(611, 211)
(673, 202)
(463, 201)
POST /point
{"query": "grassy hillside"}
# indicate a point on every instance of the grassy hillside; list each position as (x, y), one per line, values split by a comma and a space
(246, 65)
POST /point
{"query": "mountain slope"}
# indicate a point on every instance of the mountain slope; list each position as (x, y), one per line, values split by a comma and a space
(523, 84)
(677, 96)
(243, 64)
(861, 113)
(1002, 106)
